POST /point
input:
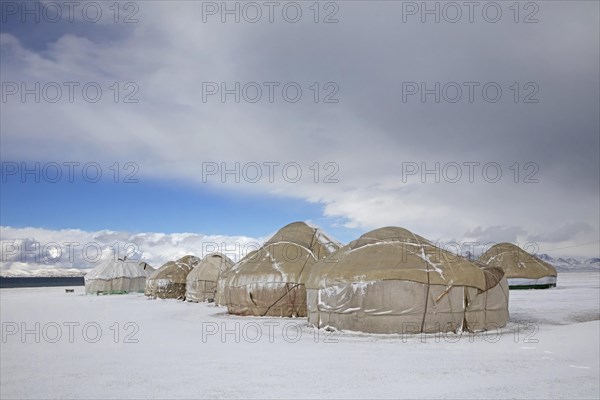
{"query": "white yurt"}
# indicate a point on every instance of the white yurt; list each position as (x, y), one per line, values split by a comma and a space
(117, 277)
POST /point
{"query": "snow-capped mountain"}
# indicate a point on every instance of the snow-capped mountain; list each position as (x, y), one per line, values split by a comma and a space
(47, 272)
(571, 264)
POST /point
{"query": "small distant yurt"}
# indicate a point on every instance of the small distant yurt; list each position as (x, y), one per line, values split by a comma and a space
(117, 277)
(168, 282)
(267, 281)
(201, 283)
(523, 270)
(391, 280)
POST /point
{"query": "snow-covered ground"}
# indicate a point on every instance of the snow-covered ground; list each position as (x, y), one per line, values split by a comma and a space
(131, 347)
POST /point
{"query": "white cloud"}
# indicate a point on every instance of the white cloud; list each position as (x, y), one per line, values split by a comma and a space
(37, 248)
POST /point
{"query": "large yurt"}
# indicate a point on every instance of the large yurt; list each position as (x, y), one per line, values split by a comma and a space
(391, 280)
(523, 270)
(266, 282)
(201, 283)
(168, 282)
(117, 276)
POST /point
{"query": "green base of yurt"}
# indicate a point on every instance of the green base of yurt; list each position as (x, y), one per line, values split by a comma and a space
(523, 287)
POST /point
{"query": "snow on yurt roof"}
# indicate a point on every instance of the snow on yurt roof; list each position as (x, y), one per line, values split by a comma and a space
(284, 256)
(516, 262)
(211, 266)
(176, 270)
(112, 269)
(394, 253)
(307, 236)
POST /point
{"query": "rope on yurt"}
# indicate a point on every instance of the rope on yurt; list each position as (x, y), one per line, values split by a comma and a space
(428, 282)
(503, 292)
(310, 248)
(299, 274)
(279, 299)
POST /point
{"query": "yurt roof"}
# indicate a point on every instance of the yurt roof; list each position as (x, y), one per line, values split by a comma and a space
(394, 253)
(284, 256)
(112, 269)
(211, 266)
(307, 236)
(178, 269)
(516, 262)
(147, 267)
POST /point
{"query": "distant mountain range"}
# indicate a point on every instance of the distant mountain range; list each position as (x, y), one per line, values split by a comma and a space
(41, 273)
(561, 264)
(571, 264)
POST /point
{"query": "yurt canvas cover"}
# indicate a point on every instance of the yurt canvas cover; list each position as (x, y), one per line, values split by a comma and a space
(201, 283)
(147, 267)
(116, 277)
(393, 281)
(168, 282)
(267, 281)
(523, 270)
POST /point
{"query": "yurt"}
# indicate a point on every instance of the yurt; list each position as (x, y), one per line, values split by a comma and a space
(201, 283)
(168, 282)
(391, 280)
(523, 270)
(266, 282)
(117, 277)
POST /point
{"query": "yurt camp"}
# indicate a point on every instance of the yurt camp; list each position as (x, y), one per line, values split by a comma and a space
(168, 282)
(393, 281)
(266, 282)
(117, 277)
(523, 270)
(201, 283)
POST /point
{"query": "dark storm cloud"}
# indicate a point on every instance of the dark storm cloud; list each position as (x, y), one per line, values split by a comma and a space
(565, 232)
(370, 52)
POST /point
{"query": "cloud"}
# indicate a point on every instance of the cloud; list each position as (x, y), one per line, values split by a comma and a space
(566, 232)
(495, 234)
(370, 134)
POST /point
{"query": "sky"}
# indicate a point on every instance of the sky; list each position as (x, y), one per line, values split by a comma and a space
(155, 119)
